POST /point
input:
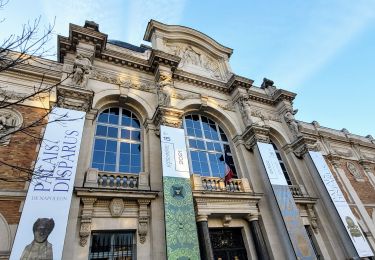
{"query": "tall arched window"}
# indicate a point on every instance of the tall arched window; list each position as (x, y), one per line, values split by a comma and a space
(208, 147)
(282, 165)
(117, 145)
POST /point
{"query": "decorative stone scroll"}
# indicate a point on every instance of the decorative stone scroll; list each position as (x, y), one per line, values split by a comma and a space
(143, 220)
(10, 121)
(87, 212)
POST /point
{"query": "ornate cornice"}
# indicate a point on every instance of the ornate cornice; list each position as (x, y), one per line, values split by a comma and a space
(255, 133)
(237, 81)
(88, 33)
(303, 145)
(159, 57)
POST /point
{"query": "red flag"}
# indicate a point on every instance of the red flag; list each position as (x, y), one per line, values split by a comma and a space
(229, 167)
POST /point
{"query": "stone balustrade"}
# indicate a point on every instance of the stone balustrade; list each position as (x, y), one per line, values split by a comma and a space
(214, 184)
(111, 180)
(298, 190)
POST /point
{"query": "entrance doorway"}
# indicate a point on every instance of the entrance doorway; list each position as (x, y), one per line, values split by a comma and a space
(227, 244)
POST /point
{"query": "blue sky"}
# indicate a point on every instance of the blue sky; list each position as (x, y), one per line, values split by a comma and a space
(323, 50)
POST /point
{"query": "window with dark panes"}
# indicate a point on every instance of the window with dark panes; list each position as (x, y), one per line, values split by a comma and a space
(117, 146)
(113, 245)
(282, 165)
(207, 146)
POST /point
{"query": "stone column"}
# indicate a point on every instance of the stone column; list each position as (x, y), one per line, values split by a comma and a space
(204, 238)
(256, 232)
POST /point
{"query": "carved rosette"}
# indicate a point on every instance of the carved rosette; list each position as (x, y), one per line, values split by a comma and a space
(303, 145)
(86, 216)
(143, 219)
(76, 99)
(167, 116)
(254, 134)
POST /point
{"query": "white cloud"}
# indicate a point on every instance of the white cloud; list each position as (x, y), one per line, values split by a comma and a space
(140, 12)
(326, 30)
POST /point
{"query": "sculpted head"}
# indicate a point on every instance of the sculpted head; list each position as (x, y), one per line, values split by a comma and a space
(42, 228)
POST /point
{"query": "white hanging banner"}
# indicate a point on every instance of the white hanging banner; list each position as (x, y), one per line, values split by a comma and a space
(288, 208)
(41, 231)
(342, 207)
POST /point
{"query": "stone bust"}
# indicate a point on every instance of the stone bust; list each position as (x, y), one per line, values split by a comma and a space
(40, 248)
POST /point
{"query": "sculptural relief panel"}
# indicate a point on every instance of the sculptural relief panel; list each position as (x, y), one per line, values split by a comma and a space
(197, 61)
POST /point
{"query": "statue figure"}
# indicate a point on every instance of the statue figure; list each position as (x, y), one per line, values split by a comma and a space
(81, 71)
(291, 122)
(190, 56)
(40, 248)
(245, 111)
(165, 89)
(267, 83)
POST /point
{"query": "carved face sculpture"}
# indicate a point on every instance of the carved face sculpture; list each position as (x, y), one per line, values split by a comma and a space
(42, 228)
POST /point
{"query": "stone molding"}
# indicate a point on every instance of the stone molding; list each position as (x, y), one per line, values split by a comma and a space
(255, 133)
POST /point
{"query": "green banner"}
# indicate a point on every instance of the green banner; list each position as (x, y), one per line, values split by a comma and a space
(180, 224)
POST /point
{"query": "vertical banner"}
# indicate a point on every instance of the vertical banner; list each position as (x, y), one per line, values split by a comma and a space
(288, 208)
(180, 225)
(41, 231)
(342, 207)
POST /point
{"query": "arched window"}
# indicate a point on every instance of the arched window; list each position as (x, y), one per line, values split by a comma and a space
(286, 175)
(208, 147)
(117, 145)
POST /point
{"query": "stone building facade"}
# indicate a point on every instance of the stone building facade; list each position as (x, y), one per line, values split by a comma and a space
(184, 80)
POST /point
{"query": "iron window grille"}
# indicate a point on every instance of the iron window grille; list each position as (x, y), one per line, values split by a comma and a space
(113, 245)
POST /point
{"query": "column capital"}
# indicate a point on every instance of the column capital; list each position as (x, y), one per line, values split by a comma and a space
(74, 98)
(167, 116)
(303, 145)
(256, 133)
(201, 218)
(254, 216)
(368, 166)
(335, 160)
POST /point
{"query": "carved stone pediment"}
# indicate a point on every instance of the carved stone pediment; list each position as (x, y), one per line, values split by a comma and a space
(195, 60)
